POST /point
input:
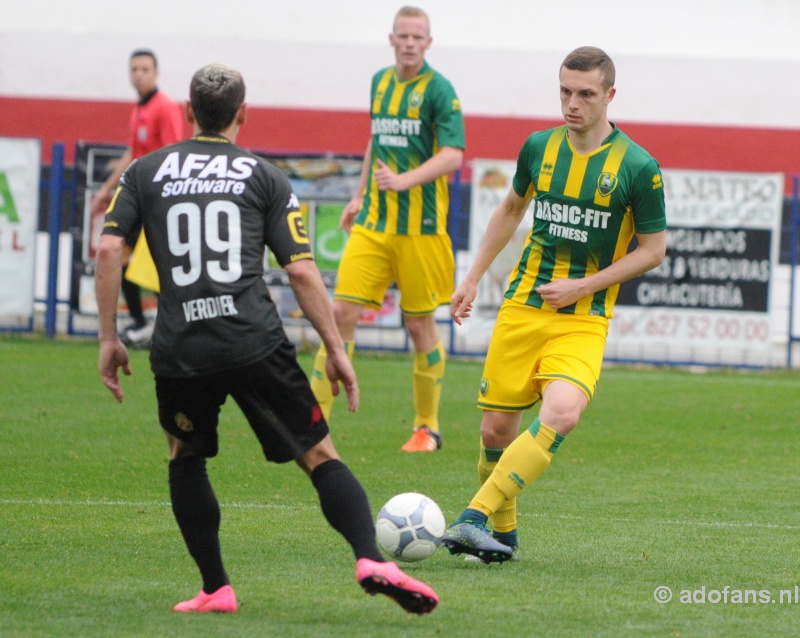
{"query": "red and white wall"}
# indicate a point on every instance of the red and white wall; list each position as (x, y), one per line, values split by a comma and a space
(707, 84)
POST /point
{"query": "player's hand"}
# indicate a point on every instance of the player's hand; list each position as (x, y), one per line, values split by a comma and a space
(387, 179)
(100, 202)
(113, 355)
(461, 301)
(349, 213)
(562, 292)
(338, 367)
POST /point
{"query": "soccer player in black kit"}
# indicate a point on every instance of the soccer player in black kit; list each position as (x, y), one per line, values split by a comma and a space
(208, 208)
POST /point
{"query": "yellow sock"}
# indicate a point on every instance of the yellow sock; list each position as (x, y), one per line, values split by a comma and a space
(505, 518)
(428, 377)
(522, 463)
(320, 384)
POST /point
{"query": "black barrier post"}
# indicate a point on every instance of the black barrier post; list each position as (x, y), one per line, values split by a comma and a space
(54, 231)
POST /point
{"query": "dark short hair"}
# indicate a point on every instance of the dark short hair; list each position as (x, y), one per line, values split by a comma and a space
(589, 59)
(146, 53)
(216, 93)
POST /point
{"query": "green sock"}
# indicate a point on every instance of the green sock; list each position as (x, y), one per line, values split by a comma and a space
(507, 538)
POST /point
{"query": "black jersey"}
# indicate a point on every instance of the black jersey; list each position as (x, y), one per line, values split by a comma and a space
(208, 208)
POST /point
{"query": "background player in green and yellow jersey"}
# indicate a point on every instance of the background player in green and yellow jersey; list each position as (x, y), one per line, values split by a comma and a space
(398, 218)
(593, 189)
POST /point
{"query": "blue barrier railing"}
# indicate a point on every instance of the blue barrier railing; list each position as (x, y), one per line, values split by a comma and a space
(793, 238)
(54, 229)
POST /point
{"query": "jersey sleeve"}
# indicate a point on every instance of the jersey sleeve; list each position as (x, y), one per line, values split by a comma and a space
(285, 231)
(649, 208)
(522, 177)
(448, 118)
(123, 217)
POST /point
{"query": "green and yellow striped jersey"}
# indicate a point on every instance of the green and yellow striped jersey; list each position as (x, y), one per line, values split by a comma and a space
(411, 121)
(586, 209)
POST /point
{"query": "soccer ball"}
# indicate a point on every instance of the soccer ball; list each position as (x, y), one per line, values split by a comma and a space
(410, 527)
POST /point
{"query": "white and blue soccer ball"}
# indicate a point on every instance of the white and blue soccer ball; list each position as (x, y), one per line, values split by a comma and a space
(410, 527)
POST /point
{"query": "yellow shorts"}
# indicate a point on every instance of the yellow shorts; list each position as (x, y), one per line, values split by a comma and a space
(531, 347)
(422, 266)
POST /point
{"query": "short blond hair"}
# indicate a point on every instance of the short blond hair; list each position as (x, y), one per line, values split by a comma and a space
(411, 12)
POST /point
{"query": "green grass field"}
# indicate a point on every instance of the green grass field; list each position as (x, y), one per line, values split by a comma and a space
(672, 479)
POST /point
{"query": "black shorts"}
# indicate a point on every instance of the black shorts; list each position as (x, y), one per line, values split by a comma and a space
(273, 393)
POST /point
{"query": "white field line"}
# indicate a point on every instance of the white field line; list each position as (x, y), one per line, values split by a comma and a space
(40, 502)
(57, 502)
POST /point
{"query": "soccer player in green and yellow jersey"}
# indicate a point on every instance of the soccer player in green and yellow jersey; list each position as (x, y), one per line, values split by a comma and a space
(398, 218)
(592, 189)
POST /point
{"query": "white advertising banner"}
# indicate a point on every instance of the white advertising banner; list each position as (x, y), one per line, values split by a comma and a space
(20, 165)
(491, 180)
(712, 295)
(713, 289)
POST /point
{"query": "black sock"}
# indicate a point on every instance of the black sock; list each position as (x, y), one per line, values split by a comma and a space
(344, 504)
(133, 298)
(197, 511)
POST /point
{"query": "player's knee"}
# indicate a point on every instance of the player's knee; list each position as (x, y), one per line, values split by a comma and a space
(423, 332)
(346, 314)
(499, 429)
(564, 424)
(321, 453)
(562, 406)
(563, 419)
(177, 448)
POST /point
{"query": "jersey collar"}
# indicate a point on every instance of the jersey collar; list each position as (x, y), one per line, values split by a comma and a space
(211, 137)
(613, 133)
(422, 70)
(144, 100)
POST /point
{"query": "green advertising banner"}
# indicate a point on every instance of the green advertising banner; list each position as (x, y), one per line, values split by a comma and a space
(329, 239)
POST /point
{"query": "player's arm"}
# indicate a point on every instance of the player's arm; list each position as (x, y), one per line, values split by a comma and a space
(107, 278)
(102, 198)
(354, 205)
(312, 296)
(648, 254)
(447, 160)
(501, 228)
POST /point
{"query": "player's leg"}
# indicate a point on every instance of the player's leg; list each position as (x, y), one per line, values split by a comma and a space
(492, 445)
(345, 506)
(425, 273)
(346, 315)
(506, 389)
(189, 418)
(529, 455)
(342, 498)
(362, 279)
(468, 533)
(566, 374)
(429, 367)
(287, 421)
